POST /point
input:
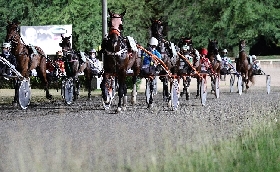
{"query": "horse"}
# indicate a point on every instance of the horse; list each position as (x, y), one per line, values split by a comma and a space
(27, 57)
(243, 66)
(119, 57)
(191, 54)
(168, 53)
(73, 62)
(215, 60)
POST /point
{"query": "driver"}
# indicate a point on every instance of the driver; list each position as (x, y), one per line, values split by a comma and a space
(6, 53)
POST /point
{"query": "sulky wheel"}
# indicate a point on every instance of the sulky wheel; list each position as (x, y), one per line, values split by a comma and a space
(174, 94)
(268, 79)
(240, 84)
(217, 87)
(68, 91)
(24, 93)
(232, 80)
(203, 91)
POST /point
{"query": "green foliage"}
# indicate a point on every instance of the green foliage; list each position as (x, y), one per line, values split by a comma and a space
(224, 20)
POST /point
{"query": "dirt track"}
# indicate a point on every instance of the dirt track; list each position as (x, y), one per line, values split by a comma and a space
(85, 130)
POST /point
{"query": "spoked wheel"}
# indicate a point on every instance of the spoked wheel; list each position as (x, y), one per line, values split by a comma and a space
(239, 84)
(217, 87)
(24, 93)
(174, 102)
(68, 90)
(203, 91)
(232, 80)
(149, 82)
(268, 79)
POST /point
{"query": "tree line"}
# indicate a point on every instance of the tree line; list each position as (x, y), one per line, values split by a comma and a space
(256, 21)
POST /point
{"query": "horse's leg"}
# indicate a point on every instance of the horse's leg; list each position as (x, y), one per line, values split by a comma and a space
(187, 85)
(121, 93)
(89, 78)
(76, 83)
(134, 90)
(16, 86)
(247, 79)
(103, 88)
(165, 89)
(151, 92)
(43, 76)
(197, 87)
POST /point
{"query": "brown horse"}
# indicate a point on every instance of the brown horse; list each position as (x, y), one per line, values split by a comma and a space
(28, 57)
(215, 59)
(72, 62)
(192, 54)
(243, 66)
(118, 59)
(168, 56)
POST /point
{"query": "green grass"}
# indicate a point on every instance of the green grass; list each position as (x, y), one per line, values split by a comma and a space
(256, 150)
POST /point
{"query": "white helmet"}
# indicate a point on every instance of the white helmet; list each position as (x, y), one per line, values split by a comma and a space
(224, 51)
(254, 57)
(6, 45)
(92, 51)
(153, 41)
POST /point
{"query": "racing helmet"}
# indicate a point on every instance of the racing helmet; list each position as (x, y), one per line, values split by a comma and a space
(6, 45)
(92, 51)
(204, 51)
(254, 57)
(225, 51)
(153, 41)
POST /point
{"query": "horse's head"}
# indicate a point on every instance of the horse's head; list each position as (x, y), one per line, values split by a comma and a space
(65, 42)
(13, 35)
(116, 26)
(186, 44)
(116, 20)
(242, 45)
(213, 47)
(157, 28)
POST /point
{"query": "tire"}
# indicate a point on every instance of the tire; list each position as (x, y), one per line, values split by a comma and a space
(231, 84)
(24, 93)
(240, 84)
(68, 91)
(268, 79)
(217, 87)
(203, 91)
(174, 94)
(147, 90)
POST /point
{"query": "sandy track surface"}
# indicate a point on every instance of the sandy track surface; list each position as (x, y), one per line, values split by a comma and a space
(50, 131)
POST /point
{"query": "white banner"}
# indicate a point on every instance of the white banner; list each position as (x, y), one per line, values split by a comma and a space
(47, 37)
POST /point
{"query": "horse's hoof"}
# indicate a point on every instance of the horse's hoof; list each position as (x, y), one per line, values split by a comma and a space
(124, 108)
(150, 105)
(119, 109)
(49, 97)
(14, 103)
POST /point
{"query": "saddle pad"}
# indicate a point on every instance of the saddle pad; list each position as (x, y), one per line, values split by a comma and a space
(132, 43)
(83, 56)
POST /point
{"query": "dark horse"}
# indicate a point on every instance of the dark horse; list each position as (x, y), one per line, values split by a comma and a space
(168, 53)
(215, 59)
(72, 62)
(243, 66)
(185, 69)
(28, 57)
(119, 57)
